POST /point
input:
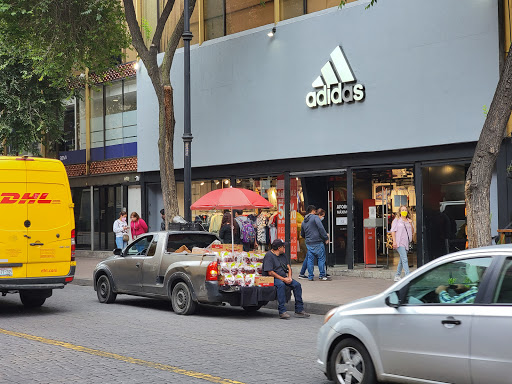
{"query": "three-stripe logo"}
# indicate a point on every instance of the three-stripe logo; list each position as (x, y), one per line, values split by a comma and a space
(337, 82)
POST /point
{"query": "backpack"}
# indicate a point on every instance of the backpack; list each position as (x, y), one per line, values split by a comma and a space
(247, 233)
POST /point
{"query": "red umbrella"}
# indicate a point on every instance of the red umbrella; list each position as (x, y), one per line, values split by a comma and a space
(231, 198)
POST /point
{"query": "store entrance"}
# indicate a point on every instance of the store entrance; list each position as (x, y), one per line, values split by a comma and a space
(329, 193)
(378, 195)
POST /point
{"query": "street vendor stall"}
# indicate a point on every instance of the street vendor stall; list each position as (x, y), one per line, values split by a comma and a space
(240, 271)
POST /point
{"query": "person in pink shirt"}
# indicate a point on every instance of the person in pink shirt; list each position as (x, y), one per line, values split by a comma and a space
(402, 231)
(137, 225)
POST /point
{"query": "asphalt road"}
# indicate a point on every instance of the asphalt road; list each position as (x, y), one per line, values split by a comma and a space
(73, 338)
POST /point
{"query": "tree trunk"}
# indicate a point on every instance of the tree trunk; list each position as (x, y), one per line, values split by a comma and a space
(478, 178)
(166, 154)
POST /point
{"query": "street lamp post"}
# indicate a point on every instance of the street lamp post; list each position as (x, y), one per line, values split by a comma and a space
(187, 131)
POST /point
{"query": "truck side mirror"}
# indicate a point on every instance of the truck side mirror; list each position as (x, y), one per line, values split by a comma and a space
(118, 251)
(392, 300)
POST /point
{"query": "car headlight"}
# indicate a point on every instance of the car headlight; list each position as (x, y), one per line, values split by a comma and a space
(329, 314)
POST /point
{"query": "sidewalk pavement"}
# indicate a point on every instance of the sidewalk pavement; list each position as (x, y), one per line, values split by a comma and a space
(319, 296)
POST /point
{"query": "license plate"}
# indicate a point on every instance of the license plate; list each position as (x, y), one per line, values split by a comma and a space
(5, 271)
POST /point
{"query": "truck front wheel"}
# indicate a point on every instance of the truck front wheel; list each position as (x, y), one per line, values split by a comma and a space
(32, 299)
(182, 302)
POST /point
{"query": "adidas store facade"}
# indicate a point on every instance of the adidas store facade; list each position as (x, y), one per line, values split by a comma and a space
(346, 106)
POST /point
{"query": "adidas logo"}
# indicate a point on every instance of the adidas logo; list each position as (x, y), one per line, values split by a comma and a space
(337, 74)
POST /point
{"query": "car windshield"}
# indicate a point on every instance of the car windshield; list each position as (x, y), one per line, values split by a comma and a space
(190, 240)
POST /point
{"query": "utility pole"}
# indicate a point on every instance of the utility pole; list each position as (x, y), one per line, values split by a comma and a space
(187, 131)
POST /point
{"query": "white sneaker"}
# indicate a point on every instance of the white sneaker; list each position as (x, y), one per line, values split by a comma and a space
(398, 278)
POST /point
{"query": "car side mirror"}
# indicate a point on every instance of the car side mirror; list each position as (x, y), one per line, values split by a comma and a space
(392, 300)
(118, 252)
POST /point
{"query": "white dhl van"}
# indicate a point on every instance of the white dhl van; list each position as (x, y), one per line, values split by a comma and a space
(37, 228)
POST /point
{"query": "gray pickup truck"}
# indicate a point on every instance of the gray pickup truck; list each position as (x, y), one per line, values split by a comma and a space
(151, 266)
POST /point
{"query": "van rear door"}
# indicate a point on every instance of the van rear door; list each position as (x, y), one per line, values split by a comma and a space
(51, 215)
(13, 233)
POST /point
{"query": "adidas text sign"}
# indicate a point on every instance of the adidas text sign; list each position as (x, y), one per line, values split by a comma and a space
(337, 82)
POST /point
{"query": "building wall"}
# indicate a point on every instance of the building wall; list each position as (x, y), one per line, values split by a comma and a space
(428, 69)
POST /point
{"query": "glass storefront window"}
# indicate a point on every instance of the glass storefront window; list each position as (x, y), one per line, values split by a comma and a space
(81, 120)
(130, 110)
(291, 8)
(444, 211)
(97, 117)
(242, 15)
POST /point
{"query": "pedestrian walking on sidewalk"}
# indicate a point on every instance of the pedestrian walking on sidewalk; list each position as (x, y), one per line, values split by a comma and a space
(302, 275)
(120, 229)
(402, 231)
(275, 264)
(316, 236)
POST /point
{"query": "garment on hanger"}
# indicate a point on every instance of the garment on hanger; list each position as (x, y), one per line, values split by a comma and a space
(261, 225)
(215, 223)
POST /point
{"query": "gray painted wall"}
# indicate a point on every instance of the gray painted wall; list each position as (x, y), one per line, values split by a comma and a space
(429, 67)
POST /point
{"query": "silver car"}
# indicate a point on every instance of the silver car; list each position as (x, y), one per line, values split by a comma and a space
(448, 322)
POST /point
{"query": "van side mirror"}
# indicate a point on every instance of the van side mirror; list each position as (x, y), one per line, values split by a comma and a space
(118, 251)
(392, 300)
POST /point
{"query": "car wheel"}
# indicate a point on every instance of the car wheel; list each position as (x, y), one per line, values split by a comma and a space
(31, 300)
(351, 363)
(251, 308)
(182, 302)
(104, 290)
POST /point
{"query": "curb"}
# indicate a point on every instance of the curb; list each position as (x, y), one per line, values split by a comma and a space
(82, 282)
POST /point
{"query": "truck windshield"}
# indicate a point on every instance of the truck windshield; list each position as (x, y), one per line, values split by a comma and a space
(190, 240)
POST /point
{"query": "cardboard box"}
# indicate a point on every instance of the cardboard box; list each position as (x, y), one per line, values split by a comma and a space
(227, 247)
(264, 281)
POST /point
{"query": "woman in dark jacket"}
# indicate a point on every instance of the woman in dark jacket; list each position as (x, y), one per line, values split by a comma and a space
(225, 230)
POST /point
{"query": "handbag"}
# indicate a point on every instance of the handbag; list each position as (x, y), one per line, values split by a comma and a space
(126, 237)
(389, 240)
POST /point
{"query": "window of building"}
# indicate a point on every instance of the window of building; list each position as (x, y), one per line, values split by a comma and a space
(320, 5)
(291, 8)
(97, 138)
(214, 19)
(68, 143)
(248, 14)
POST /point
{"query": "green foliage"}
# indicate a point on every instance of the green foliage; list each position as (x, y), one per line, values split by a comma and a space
(451, 281)
(31, 110)
(486, 111)
(146, 28)
(371, 4)
(60, 36)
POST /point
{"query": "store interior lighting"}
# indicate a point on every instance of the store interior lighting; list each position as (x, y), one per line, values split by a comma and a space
(216, 182)
(136, 65)
(226, 181)
(202, 182)
(272, 32)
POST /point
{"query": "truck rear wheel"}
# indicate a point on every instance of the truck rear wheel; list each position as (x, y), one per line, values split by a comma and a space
(31, 299)
(104, 290)
(182, 302)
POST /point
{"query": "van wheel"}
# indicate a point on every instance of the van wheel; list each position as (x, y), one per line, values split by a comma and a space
(31, 300)
(351, 363)
(104, 290)
(181, 298)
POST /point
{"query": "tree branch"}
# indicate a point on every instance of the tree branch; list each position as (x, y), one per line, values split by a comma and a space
(162, 20)
(133, 25)
(172, 45)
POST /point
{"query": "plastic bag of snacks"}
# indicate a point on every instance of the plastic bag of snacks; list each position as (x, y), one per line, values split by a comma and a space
(246, 258)
(225, 269)
(240, 279)
(257, 258)
(236, 268)
(249, 280)
(258, 268)
(229, 279)
(226, 257)
(249, 269)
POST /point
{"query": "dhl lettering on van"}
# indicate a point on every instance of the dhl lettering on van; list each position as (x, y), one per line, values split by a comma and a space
(13, 198)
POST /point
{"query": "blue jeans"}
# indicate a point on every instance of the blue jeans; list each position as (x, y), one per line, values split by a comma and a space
(317, 250)
(403, 263)
(120, 243)
(281, 295)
